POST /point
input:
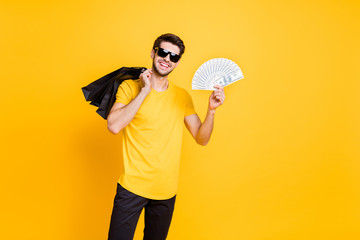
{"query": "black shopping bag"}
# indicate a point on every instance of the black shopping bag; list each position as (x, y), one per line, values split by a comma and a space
(102, 92)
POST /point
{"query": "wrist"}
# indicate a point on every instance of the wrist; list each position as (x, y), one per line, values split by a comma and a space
(211, 111)
(146, 90)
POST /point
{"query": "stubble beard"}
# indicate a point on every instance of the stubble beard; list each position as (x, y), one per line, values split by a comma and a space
(157, 71)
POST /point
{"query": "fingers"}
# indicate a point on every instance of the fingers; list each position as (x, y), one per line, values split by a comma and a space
(220, 98)
(149, 72)
(146, 74)
(220, 89)
(219, 93)
(145, 78)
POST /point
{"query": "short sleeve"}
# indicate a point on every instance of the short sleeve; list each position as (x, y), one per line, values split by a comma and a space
(124, 93)
(189, 106)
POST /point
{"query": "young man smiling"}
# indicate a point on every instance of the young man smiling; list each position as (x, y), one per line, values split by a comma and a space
(152, 111)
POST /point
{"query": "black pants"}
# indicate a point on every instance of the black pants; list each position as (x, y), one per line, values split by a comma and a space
(126, 212)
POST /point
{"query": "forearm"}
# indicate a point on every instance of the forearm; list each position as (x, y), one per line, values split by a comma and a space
(120, 118)
(205, 130)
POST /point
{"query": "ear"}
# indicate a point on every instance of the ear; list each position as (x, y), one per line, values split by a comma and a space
(152, 54)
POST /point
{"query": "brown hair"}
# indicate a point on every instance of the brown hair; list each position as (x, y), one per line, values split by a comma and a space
(172, 38)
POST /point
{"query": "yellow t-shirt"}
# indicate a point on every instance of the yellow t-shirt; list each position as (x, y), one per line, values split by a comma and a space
(151, 142)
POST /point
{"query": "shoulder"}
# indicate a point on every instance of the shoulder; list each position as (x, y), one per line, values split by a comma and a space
(131, 83)
(129, 88)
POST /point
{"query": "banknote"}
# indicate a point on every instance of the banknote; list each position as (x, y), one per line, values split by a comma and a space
(217, 79)
(216, 71)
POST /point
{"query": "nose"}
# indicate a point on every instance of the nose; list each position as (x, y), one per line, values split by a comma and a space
(167, 58)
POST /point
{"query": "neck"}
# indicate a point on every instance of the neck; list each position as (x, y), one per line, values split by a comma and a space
(159, 83)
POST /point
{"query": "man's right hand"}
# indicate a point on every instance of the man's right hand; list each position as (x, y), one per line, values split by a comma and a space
(120, 114)
(145, 80)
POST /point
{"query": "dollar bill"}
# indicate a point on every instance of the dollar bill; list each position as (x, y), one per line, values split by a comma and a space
(208, 84)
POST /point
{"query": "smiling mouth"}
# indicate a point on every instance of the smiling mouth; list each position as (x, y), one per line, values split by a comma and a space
(165, 65)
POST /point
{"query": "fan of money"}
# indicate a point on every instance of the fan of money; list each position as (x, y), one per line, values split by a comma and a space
(216, 71)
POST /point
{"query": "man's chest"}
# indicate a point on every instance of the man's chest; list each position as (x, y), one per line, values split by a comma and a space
(160, 110)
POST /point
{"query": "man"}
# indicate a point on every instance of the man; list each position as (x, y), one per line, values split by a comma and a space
(151, 111)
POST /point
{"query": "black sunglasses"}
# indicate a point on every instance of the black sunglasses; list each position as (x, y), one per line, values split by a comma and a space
(163, 53)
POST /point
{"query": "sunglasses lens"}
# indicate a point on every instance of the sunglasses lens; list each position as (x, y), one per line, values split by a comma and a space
(163, 53)
(174, 58)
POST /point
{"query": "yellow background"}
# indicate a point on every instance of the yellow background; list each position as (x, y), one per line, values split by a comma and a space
(283, 161)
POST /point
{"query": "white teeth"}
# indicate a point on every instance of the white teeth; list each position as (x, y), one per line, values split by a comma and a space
(163, 64)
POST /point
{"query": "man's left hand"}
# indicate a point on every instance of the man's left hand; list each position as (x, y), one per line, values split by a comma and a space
(216, 98)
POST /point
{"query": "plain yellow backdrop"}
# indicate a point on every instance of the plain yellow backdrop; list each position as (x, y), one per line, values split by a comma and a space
(283, 160)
